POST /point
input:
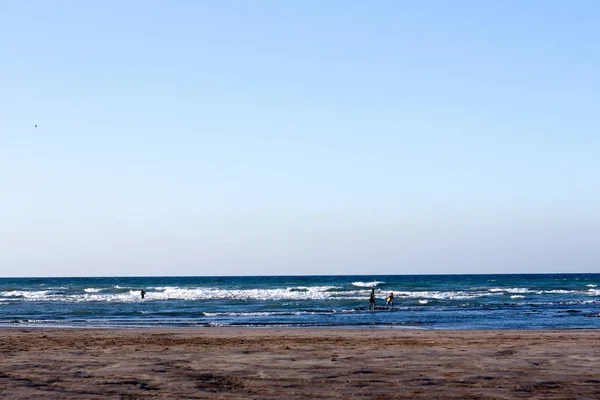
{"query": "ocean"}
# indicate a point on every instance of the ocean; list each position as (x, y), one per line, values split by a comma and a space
(544, 301)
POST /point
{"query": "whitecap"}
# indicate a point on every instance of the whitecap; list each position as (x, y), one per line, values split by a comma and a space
(27, 295)
(518, 290)
(454, 295)
(559, 291)
(367, 284)
(205, 293)
(260, 313)
(190, 293)
(510, 290)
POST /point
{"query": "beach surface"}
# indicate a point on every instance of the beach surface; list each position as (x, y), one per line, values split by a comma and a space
(232, 363)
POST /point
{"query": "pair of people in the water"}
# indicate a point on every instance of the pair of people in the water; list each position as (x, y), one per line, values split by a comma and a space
(389, 299)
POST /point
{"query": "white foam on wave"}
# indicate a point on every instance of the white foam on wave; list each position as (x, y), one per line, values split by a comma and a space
(518, 290)
(47, 295)
(182, 293)
(290, 293)
(510, 290)
(454, 295)
(257, 314)
(178, 293)
(525, 290)
(296, 293)
(559, 291)
(593, 292)
(367, 284)
(517, 296)
(423, 301)
(27, 295)
(591, 285)
(132, 295)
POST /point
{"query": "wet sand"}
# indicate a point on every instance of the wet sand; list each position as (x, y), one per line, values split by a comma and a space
(230, 363)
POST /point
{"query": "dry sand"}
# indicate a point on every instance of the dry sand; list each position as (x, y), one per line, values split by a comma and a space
(286, 364)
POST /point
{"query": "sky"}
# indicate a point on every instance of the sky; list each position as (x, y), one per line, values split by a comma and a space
(286, 138)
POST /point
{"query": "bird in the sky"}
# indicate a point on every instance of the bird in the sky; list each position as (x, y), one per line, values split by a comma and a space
(36, 126)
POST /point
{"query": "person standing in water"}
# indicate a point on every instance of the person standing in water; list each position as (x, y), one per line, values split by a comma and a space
(142, 293)
(390, 300)
(372, 300)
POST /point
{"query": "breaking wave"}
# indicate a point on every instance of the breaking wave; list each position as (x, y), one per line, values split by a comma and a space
(368, 284)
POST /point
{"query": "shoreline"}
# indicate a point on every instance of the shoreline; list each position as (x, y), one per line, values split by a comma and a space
(297, 363)
(176, 329)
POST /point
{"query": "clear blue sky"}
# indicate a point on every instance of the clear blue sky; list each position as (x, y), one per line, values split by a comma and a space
(306, 137)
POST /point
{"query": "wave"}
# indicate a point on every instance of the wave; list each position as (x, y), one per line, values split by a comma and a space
(298, 293)
(368, 284)
(264, 313)
(437, 295)
(560, 291)
(293, 293)
(32, 321)
(290, 293)
(27, 295)
(540, 291)
(510, 290)
(178, 293)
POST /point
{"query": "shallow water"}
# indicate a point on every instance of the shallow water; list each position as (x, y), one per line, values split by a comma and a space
(545, 301)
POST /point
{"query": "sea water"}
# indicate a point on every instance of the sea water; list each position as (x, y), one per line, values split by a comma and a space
(545, 301)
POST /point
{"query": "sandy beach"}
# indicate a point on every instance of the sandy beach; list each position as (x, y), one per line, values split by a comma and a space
(229, 363)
